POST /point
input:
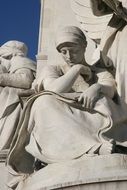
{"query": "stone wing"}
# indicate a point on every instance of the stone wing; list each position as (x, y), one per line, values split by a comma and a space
(93, 25)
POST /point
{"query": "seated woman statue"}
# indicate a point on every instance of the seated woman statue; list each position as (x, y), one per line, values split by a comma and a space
(72, 114)
(16, 75)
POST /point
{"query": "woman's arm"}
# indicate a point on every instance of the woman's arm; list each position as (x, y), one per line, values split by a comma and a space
(22, 78)
(61, 84)
(105, 86)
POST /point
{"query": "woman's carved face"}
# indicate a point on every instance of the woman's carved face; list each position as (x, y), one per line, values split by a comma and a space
(72, 53)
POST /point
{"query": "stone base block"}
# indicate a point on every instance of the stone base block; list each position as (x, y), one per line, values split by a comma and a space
(3, 176)
(87, 173)
(3, 170)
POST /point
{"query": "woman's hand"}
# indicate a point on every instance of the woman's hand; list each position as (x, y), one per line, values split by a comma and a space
(37, 85)
(90, 96)
(84, 70)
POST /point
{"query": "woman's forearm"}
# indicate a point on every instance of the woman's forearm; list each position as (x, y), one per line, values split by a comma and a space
(65, 82)
(20, 79)
(106, 89)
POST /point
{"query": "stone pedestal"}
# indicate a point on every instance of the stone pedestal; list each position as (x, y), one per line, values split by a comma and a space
(87, 173)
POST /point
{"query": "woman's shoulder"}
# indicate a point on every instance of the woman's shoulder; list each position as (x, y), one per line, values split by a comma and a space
(18, 62)
(51, 70)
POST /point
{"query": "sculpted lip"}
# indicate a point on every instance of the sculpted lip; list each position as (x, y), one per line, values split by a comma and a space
(70, 61)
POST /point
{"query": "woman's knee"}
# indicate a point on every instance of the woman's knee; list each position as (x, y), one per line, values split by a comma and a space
(44, 100)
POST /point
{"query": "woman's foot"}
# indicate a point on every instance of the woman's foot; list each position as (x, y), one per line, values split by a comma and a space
(107, 147)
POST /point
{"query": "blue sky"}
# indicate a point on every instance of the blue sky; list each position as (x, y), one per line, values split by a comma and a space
(19, 20)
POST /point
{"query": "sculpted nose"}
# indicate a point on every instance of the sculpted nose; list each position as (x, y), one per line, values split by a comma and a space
(68, 55)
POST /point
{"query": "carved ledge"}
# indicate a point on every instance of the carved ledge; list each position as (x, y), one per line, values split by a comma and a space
(3, 155)
(41, 56)
(96, 172)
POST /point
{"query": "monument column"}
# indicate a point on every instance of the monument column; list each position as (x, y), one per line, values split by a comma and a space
(54, 15)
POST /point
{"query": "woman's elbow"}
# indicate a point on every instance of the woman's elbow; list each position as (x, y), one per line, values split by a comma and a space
(55, 88)
(27, 82)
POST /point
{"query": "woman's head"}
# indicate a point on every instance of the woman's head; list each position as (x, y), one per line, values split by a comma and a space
(12, 48)
(71, 43)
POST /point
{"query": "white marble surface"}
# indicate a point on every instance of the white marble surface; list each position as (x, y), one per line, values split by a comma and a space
(102, 172)
(3, 176)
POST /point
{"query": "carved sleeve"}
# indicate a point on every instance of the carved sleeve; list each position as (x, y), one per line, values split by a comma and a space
(107, 81)
(22, 78)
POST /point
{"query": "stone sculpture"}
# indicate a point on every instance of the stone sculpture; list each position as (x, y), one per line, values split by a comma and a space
(16, 75)
(66, 122)
(79, 113)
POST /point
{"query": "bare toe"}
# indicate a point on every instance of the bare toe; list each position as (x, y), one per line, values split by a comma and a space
(107, 147)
